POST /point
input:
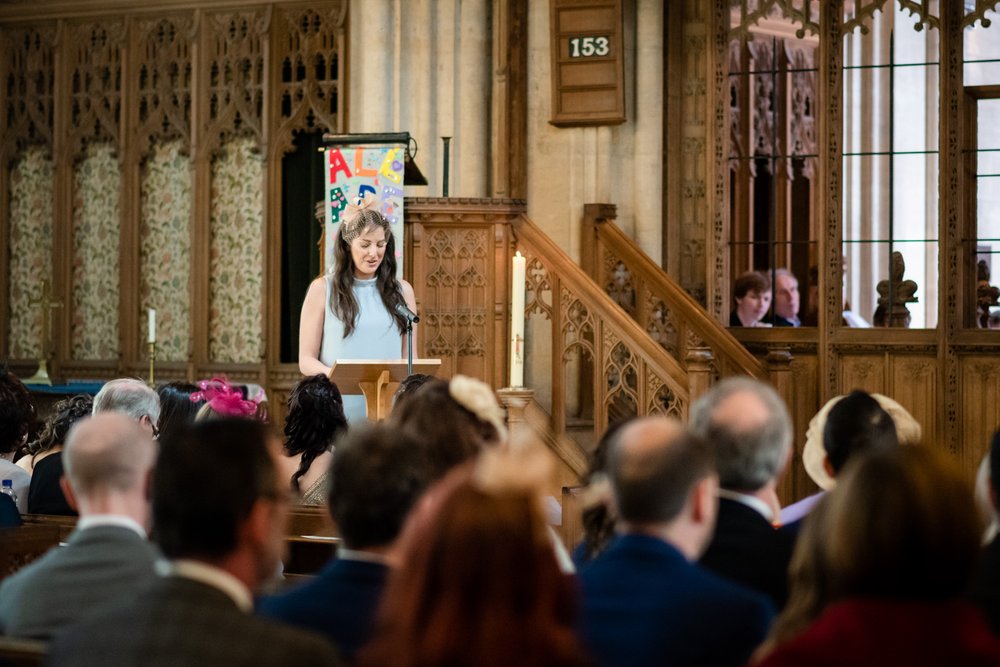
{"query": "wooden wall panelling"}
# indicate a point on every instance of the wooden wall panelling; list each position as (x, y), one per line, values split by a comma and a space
(803, 404)
(829, 96)
(296, 99)
(980, 377)
(509, 118)
(953, 275)
(866, 372)
(539, 325)
(717, 223)
(27, 96)
(458, 254)
(915, 382)
(503, 249)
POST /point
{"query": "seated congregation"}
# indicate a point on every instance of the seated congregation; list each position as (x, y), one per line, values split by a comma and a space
(445, 554)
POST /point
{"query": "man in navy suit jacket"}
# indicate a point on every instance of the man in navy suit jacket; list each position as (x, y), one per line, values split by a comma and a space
(644, 600)
(376, 476)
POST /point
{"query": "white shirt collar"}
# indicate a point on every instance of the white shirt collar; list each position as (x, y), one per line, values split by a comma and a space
(216, 578)
(752, 502)
(94, 520)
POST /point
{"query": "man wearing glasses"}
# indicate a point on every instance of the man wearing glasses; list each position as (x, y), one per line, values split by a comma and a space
(134, 398)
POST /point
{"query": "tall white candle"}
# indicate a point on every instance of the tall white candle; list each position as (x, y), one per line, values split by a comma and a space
(517, 323)
(152, 325)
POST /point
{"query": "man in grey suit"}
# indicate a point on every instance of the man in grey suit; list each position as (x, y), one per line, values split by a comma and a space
(107, 461)
(219, 514)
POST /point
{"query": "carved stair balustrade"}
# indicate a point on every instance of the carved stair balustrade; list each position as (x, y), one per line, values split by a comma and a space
(658, 304)
(603, 367)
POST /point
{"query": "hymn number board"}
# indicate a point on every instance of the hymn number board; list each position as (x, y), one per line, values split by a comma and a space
(588, 72)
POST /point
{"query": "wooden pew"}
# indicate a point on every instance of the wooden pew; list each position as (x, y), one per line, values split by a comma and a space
(21, 652)
(19, 546)
(310, 539)
(65, 524)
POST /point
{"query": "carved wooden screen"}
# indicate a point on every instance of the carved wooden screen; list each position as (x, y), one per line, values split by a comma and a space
(234, 90)
(891, 161)
(981, 147)
(307, 53)
(772, 151)
(26, 182)
(457, 254)
(151, 171)
(92, 153)
(162, 75)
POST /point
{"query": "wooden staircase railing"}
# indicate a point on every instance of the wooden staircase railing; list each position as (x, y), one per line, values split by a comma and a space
(660, 306)
(602, 366)
(589, 361)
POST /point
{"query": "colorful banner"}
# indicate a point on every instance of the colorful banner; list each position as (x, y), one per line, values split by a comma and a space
(353, 171)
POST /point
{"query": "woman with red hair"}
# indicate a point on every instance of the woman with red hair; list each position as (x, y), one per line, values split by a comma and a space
(478, 585)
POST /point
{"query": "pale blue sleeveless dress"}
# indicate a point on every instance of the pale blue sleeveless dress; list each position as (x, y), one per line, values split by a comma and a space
(374, 337)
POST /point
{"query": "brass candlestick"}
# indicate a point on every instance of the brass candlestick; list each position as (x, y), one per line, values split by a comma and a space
(152, 358)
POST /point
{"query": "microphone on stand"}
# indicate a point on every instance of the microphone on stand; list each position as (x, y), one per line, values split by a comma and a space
(407, 313)
(410, 317)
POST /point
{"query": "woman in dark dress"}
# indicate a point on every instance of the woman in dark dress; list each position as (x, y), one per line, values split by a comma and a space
(44, 459)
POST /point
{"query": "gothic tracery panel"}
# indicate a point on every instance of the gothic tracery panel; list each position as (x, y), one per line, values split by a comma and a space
(96, 201)
(662, 401)
(621, 378)
(578, 323)
(163, 78)
(31, 181)
(236, 75)
(661, 325)
(29, 77)
(538, 289)
(165, 249)
(455, 322)
(95, 81)
(618, 283)
(309, 54)
(237, 272)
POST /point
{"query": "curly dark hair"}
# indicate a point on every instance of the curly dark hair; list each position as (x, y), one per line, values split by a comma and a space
(315, 420)
(65, 413)
(17, 413)
(342, 301)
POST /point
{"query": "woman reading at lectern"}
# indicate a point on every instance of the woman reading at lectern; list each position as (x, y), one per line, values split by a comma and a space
(351, 312)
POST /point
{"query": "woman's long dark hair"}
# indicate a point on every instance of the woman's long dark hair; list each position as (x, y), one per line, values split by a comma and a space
(176, 407)
(342, 301)
(315, 420)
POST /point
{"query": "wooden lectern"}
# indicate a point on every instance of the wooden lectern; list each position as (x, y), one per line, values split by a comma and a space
(377, 380)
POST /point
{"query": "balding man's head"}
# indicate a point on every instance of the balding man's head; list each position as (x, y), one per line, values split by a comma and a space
(107, 453)
(746, 424)
(654, 464)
